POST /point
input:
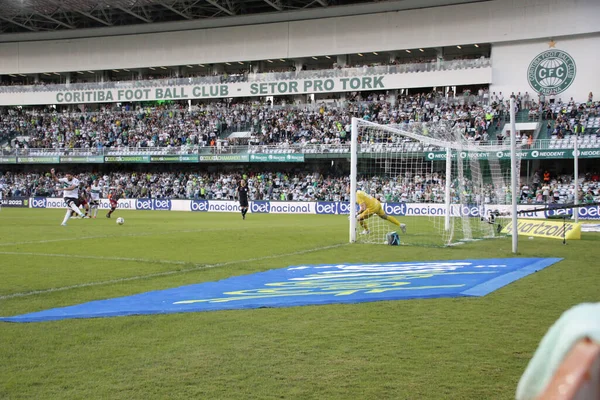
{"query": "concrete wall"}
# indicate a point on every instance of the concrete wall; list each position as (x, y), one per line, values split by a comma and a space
(484, 22)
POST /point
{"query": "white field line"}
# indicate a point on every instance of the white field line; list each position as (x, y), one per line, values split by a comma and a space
(70, 239)
(196, 267)
(109, 236)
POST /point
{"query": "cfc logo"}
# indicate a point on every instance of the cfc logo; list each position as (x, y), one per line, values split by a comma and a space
(551, 72)
(199, 205)
(260, 207)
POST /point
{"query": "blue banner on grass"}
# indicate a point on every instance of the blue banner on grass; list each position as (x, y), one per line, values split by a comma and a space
(312, 285)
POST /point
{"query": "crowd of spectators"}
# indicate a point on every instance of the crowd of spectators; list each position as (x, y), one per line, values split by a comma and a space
(288, 70)
(305, 186)
(560, 189)
(572, 117)
(176, 125)
(162, 126)
(215, 186)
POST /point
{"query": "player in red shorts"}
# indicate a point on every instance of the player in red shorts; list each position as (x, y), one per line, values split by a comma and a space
(82, 201)
(113, 197)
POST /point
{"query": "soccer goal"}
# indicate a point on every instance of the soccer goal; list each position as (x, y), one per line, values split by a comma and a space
(445, 187)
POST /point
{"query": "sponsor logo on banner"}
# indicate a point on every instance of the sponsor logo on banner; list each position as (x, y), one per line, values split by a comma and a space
(546, 229)
(15, 202)
(425, 209)
(551, 72)
(153, 204)
(395, 208)
(327, 207)
(143, 204)
(344, 207)
(590, 228)
(465, 210)
(588, 153)
(291, 207)
(199, 205)
(589, 212)
(223, 206)
(162, 204)
(38, 202)
(290, 157)
(127, 159)
(260, 206)
(81, 159)
(522, 154)
(8, 160)
(225, 158)
(175, 158)
(310, 284)
(435, 155)
(334, 207)
(557, 213)
(38, 160)
(44, 202)
(124, 204)
(55, 203)
(549, 154)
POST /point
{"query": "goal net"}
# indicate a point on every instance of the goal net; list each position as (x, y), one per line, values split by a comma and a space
(432, 178)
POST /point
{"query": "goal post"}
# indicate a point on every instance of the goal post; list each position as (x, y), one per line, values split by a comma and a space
(353, 177)
(513, 173)
(436, 183)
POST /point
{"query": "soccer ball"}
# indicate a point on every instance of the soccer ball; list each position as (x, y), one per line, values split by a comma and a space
(120, 221)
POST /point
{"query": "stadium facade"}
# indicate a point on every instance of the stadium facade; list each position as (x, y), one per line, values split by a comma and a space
(536, 46)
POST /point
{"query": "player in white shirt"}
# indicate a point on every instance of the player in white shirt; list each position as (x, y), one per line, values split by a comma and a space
(70, 187)
(95, 191)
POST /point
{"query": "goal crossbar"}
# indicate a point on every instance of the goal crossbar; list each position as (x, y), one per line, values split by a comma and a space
(433, 141)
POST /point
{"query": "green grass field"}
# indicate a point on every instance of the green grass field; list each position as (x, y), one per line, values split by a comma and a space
(462, 348)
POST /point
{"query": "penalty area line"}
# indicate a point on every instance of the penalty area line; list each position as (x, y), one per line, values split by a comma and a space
(109, 236)
(196, 267)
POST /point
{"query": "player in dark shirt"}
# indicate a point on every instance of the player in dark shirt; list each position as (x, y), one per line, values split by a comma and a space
(242, 194)
(113, 197)
(82, 201)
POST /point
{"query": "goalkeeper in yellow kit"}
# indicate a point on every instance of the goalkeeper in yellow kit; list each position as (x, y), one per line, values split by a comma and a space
(370, 206)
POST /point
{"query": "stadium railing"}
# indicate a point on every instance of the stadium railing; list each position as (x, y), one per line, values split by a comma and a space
(306, 148)
(258, 77)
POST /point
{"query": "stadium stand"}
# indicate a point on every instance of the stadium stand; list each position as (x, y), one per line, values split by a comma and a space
(295, 185)
(176, 125)
(566, 122)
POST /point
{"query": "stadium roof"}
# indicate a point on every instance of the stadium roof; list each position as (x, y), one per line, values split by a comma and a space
(43, 16)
